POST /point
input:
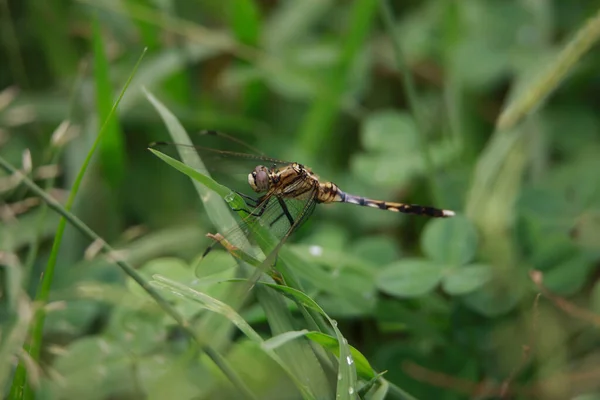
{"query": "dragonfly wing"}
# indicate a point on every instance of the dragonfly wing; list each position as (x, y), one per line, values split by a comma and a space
(219, 160)
(226, 167)
(272, 219)
(310, 202)
(267, 226)
(253, 233)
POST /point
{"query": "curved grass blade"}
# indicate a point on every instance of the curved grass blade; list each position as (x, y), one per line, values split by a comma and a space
(549, 80)
(206, 180)
(346, 385)
(363, 368)
(300, 357)
(219, 307)
(20, 388)
(131, 272)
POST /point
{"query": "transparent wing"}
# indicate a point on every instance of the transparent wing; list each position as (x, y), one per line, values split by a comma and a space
(228, 167)
(273, 216)
(271, 258)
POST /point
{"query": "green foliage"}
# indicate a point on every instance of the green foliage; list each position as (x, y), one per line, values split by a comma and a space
(484, 108)
(410, 277)
(451, 241)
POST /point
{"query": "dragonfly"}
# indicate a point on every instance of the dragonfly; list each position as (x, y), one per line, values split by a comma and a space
(285, 196)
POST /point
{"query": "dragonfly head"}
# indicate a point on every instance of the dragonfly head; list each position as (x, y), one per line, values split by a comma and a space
(259, 179)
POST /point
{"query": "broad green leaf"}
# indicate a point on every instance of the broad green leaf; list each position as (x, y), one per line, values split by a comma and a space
(569, 276)
(465, 279)
(377, 250)
(450, 241)
(410, 277)
(386, 169)
(99, 367)
(493, 300)
(393, 154)
(390, 132)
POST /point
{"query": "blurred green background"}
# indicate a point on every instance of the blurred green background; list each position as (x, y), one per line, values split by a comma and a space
(395, 101)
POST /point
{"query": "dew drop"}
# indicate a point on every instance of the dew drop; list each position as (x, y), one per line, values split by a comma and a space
(339, 377)
(351, 390)
(315, 251)
(229, 197)
(349, 360)
(334, 322)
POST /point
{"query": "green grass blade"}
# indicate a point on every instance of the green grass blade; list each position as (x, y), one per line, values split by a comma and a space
(19, 388)
(236, 319)
(244, 17)
(218, 213)
(112, 154)
(346, 384)
(133, 274)
(317, 126)
(149, 33)
(205, 180)
(549, 80)
(17, 315)
(58, 54)
(363, 368)
(299, 356)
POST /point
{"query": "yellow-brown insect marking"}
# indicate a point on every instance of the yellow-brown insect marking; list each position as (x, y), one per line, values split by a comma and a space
(328, 193)
(395, 207)
(297, 181)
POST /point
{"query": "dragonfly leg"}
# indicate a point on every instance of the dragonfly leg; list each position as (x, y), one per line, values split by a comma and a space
(209, 248)
(277, 277)
(258, 214)
(249, 200)
(286, 212)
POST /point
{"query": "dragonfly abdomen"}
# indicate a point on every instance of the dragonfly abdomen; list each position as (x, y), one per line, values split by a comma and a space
(395, 207)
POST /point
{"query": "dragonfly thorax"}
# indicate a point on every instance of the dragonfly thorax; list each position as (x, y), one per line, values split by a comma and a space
(260, 179)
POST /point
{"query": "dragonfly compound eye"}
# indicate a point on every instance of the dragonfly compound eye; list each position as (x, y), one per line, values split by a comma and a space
(259, 179)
